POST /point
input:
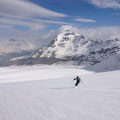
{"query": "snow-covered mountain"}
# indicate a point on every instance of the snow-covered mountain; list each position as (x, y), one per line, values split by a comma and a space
(13, 48)
(70, 45)
(80, 50)
(65, 45)
(15, 45)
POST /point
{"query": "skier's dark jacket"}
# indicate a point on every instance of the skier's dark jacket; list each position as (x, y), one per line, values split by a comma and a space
(77, 78)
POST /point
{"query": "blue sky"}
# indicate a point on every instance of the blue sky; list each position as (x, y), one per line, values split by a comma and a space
(34, 17)
(82, 8)
(103, 16)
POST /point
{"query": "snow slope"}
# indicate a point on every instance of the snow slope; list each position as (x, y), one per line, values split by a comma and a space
(49, 94)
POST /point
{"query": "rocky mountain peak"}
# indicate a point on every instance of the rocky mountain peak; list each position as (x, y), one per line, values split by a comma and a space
(70, 46)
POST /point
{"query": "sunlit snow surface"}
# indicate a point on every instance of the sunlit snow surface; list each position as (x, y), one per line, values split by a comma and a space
(48, 93)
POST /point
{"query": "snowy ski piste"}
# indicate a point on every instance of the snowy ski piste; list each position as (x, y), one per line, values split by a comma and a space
(48, 93)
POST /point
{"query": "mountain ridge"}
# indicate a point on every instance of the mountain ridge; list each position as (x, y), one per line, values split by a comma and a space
(70, 46)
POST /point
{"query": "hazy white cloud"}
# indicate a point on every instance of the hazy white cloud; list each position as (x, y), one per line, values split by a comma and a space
(22, 13)
(38, 27)
(34, 24)
(110, 32)
(25, 8)
(2, 26)
(43, 38)
(117, 13)
(29, 24)
(12, 27)
(115, 4)
(50, 21)
(104, 33)
(84, 20)
(46, 38)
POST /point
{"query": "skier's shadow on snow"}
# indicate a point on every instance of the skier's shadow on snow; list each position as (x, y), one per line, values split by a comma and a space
(63, 88)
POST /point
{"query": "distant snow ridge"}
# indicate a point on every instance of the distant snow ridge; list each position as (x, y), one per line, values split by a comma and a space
(15, 45)
(13, 48)
(20, 44)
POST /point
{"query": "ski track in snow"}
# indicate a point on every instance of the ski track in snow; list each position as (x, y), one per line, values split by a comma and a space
(47, 93)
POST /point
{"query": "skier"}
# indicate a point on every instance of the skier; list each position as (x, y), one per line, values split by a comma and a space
(77, 80)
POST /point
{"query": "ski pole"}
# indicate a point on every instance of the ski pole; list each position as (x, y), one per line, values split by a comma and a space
(71, 82)
(83, 83)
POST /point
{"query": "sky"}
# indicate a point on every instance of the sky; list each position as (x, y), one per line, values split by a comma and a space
(31, 19)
